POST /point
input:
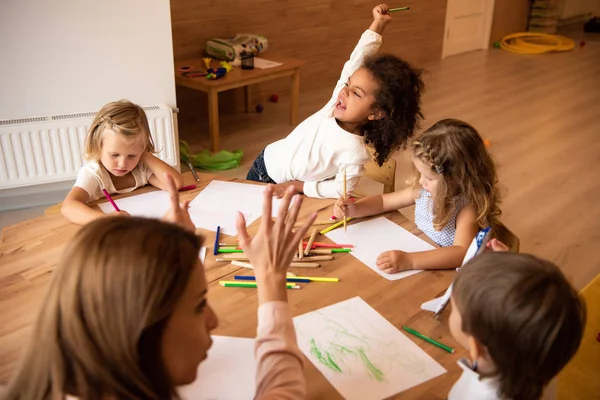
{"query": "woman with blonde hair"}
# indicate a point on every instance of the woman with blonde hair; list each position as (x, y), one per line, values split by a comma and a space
(127, 315)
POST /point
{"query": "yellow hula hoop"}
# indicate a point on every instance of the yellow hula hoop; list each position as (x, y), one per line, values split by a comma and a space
(535, 43)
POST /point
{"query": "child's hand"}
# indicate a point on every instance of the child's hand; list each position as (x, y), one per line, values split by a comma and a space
(344, 206)
(178, 214)
(280, 189)
(394, 261)
(381, 13)
(272, 249)
(496, 245)
(121, 213)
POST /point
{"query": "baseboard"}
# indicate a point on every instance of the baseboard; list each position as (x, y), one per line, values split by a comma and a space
(34, 196)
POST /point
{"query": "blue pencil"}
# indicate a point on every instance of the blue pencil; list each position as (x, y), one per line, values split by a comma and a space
(289, 278)
(216, 248)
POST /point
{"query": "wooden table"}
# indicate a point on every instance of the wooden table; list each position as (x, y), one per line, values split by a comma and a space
(239, 78)
(29, 252)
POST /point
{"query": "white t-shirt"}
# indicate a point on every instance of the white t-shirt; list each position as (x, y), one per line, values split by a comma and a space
(318, 151)
(470, 386)
(93, 177)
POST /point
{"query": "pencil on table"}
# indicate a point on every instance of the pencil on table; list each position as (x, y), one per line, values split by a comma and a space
(304, 265)
(313, 258)
(345, 198)
(300, 250)
(313, 236)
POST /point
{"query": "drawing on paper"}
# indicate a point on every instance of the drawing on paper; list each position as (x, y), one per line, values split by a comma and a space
(349, 349)
(363, 355)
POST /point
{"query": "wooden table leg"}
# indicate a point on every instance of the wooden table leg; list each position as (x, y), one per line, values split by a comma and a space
(295, 97)
(213, 119)
(248, 98)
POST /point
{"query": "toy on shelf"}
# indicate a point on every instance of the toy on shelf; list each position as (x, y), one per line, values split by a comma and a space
(216, 73)
(274, 98)
(207, 61)
(226, 65)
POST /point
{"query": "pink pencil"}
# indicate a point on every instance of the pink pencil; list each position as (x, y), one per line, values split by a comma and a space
(188, 187)
(110, 200)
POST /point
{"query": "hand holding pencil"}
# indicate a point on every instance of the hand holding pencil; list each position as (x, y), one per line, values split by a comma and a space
(271, 251)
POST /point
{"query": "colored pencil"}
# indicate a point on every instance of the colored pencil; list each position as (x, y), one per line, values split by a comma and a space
(189, 163)
(304, 265)
(336, 225)
(110, 200)
(216, 248)
(300, 250)
(331, 245)
(313, 236)
(188, 187)
(290, 285)
(288, 279)
(242, 264)
(229, 250)
(399, 9)
(345, 198)
(229, 257)
(310, 258)
(428, 339)
(293, 279)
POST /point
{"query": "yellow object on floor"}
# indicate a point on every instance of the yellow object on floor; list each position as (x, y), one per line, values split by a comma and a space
(535, 43)
(580, 380)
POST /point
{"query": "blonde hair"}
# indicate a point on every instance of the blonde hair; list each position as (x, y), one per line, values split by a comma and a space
(122, 117)
(454, 149)
(99, 329)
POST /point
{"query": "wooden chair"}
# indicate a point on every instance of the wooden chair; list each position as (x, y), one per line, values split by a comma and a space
(386, 174)
(504, 235)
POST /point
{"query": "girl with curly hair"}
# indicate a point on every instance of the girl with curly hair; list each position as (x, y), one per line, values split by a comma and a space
(454, 190)
(376, 102)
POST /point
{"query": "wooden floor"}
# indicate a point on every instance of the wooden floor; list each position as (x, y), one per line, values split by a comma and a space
(539, 112)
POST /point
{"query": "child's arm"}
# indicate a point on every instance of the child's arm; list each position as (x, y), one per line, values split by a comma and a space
(373, 205)
(368, 45)
(442, 258)
(75, 210)
(159, 168)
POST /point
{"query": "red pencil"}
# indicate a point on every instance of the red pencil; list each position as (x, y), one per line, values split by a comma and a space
(188, 187)
(330, 246)
(110, 200)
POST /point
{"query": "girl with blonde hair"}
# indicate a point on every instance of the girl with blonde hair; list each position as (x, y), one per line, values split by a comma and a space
(120, 158)
(454, 190)
(127, 314)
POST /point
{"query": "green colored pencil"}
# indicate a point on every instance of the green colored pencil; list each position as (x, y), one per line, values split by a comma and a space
(290, 285)
(230, 250)
(399, 9)
(428, 339)
(341, 250)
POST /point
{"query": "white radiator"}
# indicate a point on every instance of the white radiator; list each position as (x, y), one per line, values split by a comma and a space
(50, 149)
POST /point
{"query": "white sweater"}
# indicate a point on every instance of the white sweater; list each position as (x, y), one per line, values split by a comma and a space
(318, 150)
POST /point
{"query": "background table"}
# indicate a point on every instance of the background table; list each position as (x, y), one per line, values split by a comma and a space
(29, 253)
(239, 78)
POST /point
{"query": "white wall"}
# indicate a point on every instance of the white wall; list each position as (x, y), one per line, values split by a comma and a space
(65, 56)
(574, 8)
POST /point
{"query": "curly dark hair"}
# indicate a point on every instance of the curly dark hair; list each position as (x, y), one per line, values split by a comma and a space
(399, 99)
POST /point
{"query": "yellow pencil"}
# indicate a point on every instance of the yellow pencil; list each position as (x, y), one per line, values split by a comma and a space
(336, 225)
(318, 279)
(345, 198)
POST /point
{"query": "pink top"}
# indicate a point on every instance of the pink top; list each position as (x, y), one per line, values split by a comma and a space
(279, 362)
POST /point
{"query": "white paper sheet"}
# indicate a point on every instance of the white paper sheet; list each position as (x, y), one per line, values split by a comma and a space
(219, 202)
(360, 353)
(261, 63)
(150, 205)
(373, 237)
(229, 372)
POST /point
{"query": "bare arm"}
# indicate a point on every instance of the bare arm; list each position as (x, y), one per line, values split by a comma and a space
(159, 168)
(374, 205)
(75, 210)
